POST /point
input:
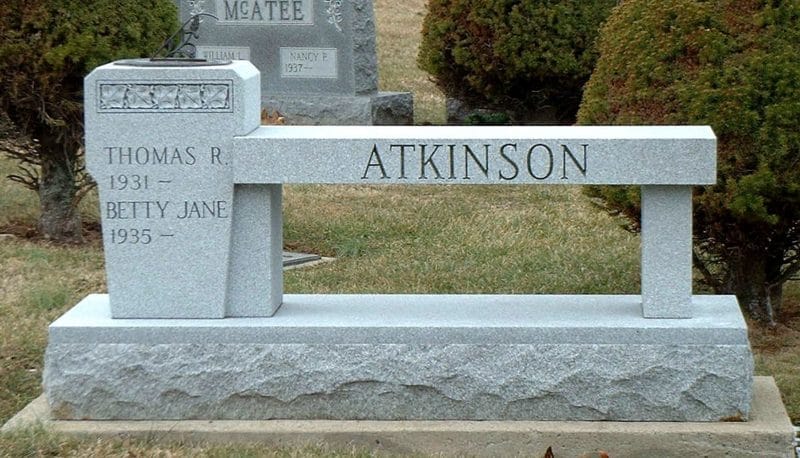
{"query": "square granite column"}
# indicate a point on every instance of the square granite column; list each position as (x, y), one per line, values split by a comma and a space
(667, 251)
(255, 278)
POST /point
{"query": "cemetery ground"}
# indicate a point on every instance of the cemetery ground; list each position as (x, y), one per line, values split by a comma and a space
(477, 239)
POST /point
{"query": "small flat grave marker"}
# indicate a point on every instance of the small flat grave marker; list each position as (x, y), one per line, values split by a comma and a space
(291, 259)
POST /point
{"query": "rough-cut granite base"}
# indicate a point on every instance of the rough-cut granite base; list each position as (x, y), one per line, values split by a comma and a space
(404, 357)
(768, 433)
(379, 109)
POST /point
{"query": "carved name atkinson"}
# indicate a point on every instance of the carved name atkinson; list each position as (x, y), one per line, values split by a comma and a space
(512, 161)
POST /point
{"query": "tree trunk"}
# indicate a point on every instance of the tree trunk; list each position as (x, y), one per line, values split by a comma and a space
(753, 283)
(60, 220)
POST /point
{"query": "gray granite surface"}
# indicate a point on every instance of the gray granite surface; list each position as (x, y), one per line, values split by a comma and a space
(666, 253)
(255, 274)
(369, 358)
(429, 319)
(399, 381)
(159, 145)
(767, 433)
(658, 158)
(684, 155)
(190, 188)
(196, 325)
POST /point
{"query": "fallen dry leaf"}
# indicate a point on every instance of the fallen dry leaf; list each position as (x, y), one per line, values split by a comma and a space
(270, 118)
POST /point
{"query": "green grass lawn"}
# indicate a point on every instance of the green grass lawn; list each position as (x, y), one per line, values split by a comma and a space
(480, 239)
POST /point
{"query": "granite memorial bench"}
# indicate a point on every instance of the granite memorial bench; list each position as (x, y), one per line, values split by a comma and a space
(196, 325)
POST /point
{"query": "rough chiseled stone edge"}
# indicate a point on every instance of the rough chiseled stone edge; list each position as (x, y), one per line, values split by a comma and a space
(393, 109)
(767, 433)
(365, 57)
(399, 382)
(382, 108)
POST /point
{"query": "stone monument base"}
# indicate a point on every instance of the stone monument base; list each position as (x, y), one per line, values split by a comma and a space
(406, 357)
(768, 433)
(380, 109)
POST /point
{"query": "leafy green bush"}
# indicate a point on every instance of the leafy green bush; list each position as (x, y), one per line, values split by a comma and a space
(487, 119)
(735, 65)
(520, 56)
(46, 48)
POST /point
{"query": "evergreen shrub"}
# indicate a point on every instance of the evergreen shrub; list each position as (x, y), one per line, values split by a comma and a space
(734, 65)
(522, 57)
(46, 48)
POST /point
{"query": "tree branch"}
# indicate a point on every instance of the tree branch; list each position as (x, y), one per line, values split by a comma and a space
(788, 272)
(708, 276)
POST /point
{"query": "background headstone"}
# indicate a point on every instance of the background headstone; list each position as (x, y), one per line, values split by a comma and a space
(317, 57)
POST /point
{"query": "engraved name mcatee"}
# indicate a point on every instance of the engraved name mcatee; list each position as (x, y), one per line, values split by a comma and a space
(510, 161)
(263, 10)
